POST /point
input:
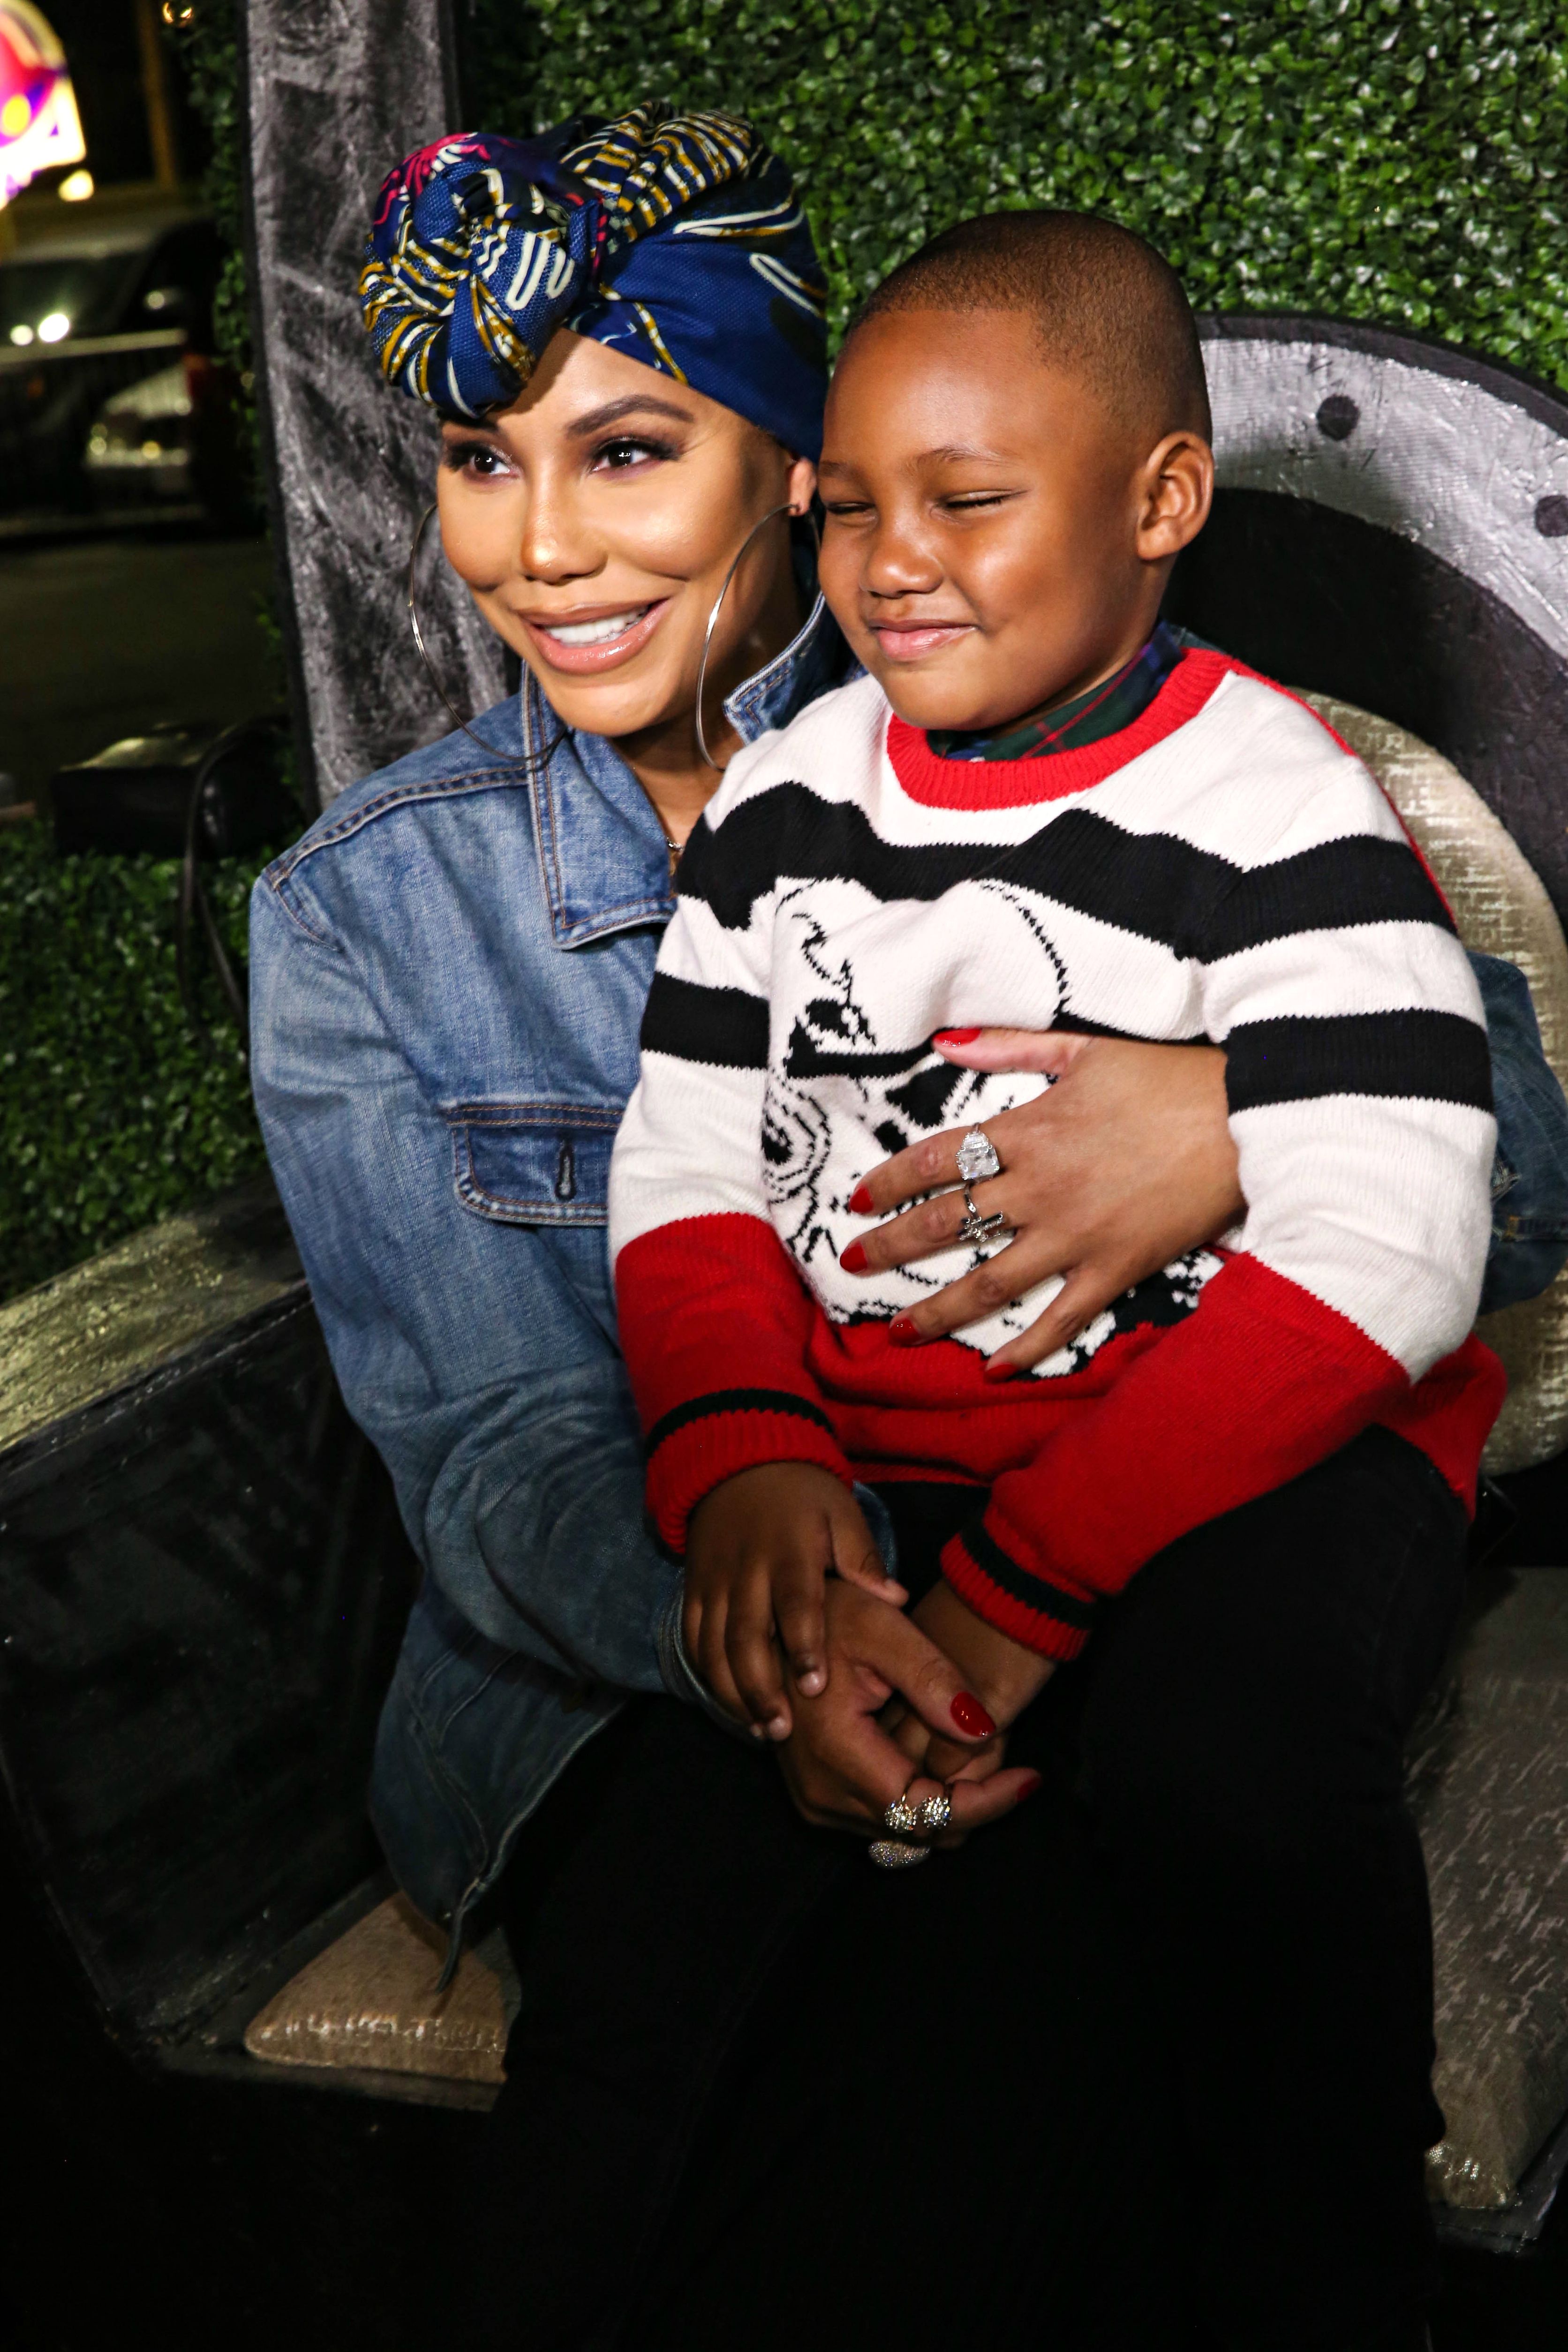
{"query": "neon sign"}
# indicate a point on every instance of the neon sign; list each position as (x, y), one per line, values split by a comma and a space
(39, 125)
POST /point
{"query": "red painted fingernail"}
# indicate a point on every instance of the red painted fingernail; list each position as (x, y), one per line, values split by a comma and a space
(853, 1260)
(972, 1717)
(901, 1333)
(994, 1372)
(1029, 1787)
(955, 1037)
(860, 1201)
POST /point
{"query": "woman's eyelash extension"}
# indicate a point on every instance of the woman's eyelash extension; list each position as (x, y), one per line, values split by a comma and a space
(637, 446)
(456, 454)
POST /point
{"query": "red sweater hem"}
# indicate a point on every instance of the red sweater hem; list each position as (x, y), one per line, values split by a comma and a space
(1089, 1475)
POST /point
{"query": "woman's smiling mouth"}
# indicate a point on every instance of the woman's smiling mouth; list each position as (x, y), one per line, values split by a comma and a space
(594, 637)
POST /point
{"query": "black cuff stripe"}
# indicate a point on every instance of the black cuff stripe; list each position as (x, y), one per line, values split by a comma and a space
(1333, 887)
(1434, 1057)
(1034, 1591)
(721, 1025)
(722, 1400)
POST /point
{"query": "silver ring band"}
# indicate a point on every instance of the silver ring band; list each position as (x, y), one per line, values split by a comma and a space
(976, 1225)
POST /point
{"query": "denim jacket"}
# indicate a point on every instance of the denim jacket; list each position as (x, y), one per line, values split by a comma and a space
(448, 977)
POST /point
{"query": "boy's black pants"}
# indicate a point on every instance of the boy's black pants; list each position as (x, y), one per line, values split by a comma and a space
(1146, 2063)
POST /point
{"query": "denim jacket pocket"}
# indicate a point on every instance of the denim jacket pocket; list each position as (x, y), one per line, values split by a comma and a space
(541, 1163)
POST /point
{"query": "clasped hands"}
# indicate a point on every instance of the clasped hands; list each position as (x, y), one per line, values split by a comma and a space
(790, 1616)
(799, 1632)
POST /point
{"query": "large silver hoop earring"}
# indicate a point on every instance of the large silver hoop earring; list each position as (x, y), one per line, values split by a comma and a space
(718, 605)
(530, 763)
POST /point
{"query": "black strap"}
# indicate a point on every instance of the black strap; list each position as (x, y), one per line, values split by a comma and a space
(193, 899)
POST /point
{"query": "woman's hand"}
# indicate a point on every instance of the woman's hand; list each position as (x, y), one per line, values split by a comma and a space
(843, 1768)
(1124, 1164)
(1005, 1676)
(757, 1557)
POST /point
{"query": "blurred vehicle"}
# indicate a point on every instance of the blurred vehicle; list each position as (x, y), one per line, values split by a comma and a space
(111, 302)
(139, 443)
(168, 441)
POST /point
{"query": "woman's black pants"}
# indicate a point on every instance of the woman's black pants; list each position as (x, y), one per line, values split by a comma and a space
(1147, 2062)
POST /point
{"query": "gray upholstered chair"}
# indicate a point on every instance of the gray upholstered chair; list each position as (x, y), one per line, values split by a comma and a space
(1391, 537)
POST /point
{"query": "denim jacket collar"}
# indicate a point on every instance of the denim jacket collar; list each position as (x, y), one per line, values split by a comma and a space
(602, 853)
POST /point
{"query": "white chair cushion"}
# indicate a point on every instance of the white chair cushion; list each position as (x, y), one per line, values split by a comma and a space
(1502, 909)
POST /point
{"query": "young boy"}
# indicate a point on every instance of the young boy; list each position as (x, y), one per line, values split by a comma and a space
(1042, 808)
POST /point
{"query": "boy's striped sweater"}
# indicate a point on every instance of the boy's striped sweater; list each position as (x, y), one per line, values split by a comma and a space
(1222, 868)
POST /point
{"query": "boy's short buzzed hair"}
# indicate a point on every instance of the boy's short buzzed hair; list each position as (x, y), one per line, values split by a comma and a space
(1105, 302)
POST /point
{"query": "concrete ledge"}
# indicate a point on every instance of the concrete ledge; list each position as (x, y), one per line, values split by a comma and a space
(109, 1323)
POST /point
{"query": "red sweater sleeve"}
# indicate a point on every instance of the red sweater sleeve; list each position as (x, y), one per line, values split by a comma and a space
(715, 1321)
(1262, 1382)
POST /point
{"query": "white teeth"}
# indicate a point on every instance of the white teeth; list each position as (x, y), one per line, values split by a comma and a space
(594, 633)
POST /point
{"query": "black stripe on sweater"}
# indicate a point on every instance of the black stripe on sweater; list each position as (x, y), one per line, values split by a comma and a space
(1150, 884)
(724, 1400)
(1433, 1057)
(1333, 887)
(1155, 886)
(720, 1025)
(1004, 1572)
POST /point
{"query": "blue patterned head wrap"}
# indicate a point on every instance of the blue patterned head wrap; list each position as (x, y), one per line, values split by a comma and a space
(679, 240)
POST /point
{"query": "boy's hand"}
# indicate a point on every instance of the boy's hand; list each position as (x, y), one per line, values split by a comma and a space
(758, 1554)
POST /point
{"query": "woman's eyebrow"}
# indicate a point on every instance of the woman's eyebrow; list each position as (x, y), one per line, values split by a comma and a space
(613, 410)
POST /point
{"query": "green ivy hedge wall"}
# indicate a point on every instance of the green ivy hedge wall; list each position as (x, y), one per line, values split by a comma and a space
(1393, 159)
(113, 1112)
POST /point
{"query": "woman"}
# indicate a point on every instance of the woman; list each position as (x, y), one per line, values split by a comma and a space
(621, 325)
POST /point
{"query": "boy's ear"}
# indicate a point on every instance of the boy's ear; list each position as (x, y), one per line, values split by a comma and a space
(1177, 491)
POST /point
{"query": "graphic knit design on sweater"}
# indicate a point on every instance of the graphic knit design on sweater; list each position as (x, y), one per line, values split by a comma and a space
(1222, 868)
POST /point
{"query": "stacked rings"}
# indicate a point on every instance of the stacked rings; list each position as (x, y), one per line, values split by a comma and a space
(978, 1161)
(930, 1817)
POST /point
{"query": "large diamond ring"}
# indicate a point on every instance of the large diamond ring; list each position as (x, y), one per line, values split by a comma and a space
(901, 1818)
(936, 1812)
(976, 1226)
(892, 1854)
(978, 1157)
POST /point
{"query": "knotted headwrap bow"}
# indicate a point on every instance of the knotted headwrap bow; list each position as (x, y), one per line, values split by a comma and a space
(679, 241)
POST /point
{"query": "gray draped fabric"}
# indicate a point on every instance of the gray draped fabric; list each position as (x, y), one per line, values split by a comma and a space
(335, 95)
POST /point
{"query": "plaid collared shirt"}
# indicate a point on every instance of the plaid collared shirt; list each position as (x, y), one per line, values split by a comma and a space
(1107, 708)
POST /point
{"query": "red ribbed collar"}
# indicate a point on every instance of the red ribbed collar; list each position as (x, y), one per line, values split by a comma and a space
(936, 782)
